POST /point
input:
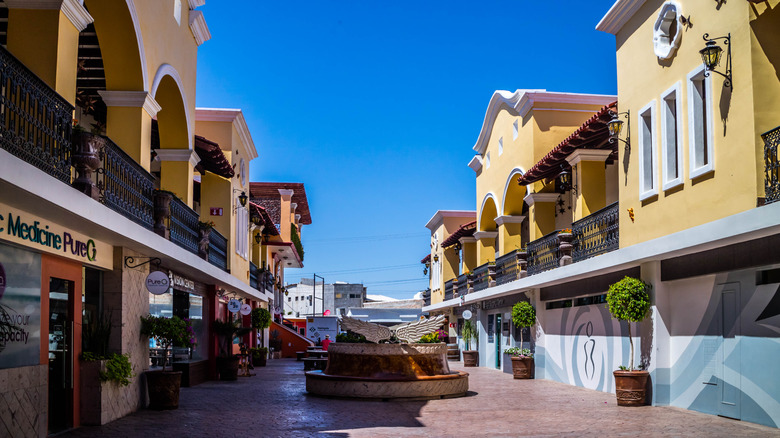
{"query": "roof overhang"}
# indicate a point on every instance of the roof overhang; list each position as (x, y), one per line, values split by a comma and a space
(438, 218)
(212, 158)
(618, 15)
(287, 253)
(234, 116)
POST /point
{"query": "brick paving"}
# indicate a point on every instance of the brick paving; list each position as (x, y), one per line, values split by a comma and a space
(274, 403)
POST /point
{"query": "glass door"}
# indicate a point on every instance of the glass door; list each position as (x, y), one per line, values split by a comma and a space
(498, 341)
(60, 355)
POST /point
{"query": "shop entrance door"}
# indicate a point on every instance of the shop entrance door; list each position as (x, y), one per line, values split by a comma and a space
(729, 358)
(498, 341)
(61, 329)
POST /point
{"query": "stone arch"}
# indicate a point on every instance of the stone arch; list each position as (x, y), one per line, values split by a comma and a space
(488, 213)
(514, 193)
(172, 119)
(119, 33)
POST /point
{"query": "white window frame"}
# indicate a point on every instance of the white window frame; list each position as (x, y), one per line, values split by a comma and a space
(487, 160)
(242, 232)
(668, 181)
(648, 192)
(698, 75)
(515, 130)
(500, 146)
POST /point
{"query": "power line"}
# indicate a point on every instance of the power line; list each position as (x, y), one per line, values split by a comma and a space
(375, 238)
(360, 270)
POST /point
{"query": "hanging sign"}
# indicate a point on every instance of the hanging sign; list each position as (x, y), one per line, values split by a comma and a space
(157, 282)
(234, 305)
(467, 314)
(246, 309)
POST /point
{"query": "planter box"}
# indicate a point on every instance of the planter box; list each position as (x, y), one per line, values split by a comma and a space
(102, 402)
(193, 372)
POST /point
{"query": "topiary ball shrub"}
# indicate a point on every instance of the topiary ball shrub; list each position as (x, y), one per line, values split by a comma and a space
(629, 300)
(523, 315)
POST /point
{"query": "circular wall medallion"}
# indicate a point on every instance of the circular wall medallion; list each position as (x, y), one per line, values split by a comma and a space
(246, 309)
(234, 305)
(467, 314)
(157, 282)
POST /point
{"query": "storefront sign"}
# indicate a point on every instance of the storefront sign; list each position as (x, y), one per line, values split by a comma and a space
(2, 281)
(246, 309)
(234, 305)
(215, 211)
(181, 283)
(157, 282)
(21, 307)
(42, 235)
(467, 314)
(493, 304)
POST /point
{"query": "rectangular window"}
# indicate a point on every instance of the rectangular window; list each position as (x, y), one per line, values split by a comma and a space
(647, 155)
(500, 145)
(671, 135)
(700, 123)
(242, 232)
(514, 130)
(490, 328)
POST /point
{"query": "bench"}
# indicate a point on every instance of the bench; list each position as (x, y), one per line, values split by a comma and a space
(300, 355)
(311, 363)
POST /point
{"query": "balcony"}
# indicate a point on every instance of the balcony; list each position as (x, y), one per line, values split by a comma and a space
(771, 165)
(426, 295)
(218, 250)
(596, 234)
(543, 254)
(254, 274)
(124, 186)
(483, 277)
(448, 290)
(508, 267)
(462, 285)
(183, 225)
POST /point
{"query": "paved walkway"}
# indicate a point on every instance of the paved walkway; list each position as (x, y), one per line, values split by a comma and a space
(275, 404)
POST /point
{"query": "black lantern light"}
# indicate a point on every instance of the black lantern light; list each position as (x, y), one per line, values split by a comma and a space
(615, 126)
(258, 238)
(256, 220)
(242, 198)
(436, 258)
(711, 54)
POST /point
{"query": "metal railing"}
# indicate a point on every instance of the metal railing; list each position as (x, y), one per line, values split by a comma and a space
(596, 234)
(543, 253)
(481, 276)
(218, 250)
(125, 186)
(184, 226)
(771, 165)
(253, 276)
(506, 268)
(448, 290)
(426, 297)
(35, 121)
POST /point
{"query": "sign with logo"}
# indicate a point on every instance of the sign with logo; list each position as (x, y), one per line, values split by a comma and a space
(182, 283)
(43, 235)
(157, 282)
(467, 314)
(215, 211)
(246, 309)
(2, 281)
(234, 305)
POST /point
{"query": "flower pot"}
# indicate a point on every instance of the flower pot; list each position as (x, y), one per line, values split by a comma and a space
(227, 367)
(203, 243)
(470, 358)
(162, 212)
(523, 367)
(86, 160)
(630, 387)
(163, 388)
(259, 361)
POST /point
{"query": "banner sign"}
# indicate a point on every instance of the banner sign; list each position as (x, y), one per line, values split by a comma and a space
(157, 282)
(42, 235)
(21, 307)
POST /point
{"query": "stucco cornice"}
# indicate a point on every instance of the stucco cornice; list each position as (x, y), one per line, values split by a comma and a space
(199, 28)
(195, 4)
(479, 235)
(618, 15)
(178, 155)
(72, 9)
(438, 218)
(476, 163)
(501, 220)
(588, 155)
(235, 116)
(134, 99)
(533, 198)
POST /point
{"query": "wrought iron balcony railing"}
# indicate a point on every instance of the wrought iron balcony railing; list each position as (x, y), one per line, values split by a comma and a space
(448, 290)
(253, 276)
(218, 250)
(507, 268)
(184, 226)
(462, 284)
(596, 234)
(543, 254)
(771, 165)
(35, 121)
(125, 186)
(481, 276)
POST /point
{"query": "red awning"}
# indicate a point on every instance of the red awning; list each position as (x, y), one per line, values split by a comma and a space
(212, 158)
(593, 134)
(426, 259)
(465, 230)
(256, 210)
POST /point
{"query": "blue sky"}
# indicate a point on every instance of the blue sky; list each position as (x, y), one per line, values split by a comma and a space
(375, 106)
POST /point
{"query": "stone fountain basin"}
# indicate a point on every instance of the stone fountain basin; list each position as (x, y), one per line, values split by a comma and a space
(387, 371)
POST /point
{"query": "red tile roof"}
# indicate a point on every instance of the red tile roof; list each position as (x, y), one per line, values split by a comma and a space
(270, 190)
(593, 134)
(212, 158)
(465, 230)
(426, 259)
(270, 228)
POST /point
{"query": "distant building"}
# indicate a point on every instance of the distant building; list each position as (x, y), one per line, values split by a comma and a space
(304, 299)
(385, 316)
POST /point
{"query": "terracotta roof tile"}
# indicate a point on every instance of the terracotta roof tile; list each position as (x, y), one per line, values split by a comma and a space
(270, 191)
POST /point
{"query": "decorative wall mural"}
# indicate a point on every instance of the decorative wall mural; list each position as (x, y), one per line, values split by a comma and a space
(588, 346)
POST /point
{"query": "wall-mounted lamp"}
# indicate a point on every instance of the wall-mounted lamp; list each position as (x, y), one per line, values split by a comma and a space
(616, 125)
(711, 54)
(436, 258)
(565, 181)
(257, 220)
(258, 238)
(242, 198)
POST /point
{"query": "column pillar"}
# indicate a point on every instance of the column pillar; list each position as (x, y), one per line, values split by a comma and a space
(177, 168)
(129, 122)
(44, 35)
(486, 249)
(655, 335)
(590, 179)
(541, 214)
(286, 208)
(509, 229)
(469, 248)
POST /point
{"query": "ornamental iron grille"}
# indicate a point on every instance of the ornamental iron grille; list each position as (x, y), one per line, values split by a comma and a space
(506, 268)
(543, 253)
(596, 234)
(462, 284)
(218, 250)
(35, 121)
(772, 165)
(253, 276)
(125, 186)
(184, 226)
(448, 290)
(481, 277)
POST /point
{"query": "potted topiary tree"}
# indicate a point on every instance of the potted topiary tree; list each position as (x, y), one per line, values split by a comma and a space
(227, 362)
(523, 315)
(163, 386)
(470, 357)
(628, 300)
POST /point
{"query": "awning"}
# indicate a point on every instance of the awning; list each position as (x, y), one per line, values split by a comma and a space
(593, 134)
(212, 159)
(265, 219)
(465, 230)
(426, 259)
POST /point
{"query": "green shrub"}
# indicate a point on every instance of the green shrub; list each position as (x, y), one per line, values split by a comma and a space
(351, 338)
(430, 338)
(168, 332)
(118, 367)
(259, 352)
(629, 300)
(261, 318)
(469, 333)
(518, 352)
(523, 315)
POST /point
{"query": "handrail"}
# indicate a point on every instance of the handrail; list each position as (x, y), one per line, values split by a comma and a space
(184, 225)
(218, 250)
(771, 165)
(597, 233)
(125, 186)
(481, 276)
(543, 253)
(506, 268)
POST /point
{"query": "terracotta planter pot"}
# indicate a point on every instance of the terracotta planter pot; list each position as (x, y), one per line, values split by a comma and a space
(162, 212)
(86, 160)
(227, 367)
(259, 361)
(163, 389)
(470, 358)
(630, 387)
(523, 367)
